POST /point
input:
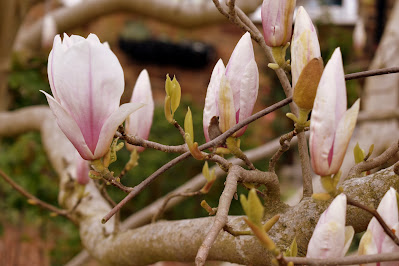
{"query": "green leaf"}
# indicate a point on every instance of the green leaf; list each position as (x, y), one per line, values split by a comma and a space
(292, 251)
(188, 124)
(358, 153)
(176, 95)
(253, 207)
(168, 85)
(205, 171)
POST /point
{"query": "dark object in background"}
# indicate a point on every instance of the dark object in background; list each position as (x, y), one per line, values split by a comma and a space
(185, 54)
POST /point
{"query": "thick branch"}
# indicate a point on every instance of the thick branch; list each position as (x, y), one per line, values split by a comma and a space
(182, 13)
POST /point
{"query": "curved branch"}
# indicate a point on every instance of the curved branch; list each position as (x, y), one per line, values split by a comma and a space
(375, 162)
(182, 13)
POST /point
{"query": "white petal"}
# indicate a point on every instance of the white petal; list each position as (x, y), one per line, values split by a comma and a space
(243, 54)
(388, 208)
(69, 127)
(54, 57)
(327, 241)
(343, 135)
(349, 233)
(305, 44)
(211, 107)
(111, 125)
(249, 92)
(367, 245)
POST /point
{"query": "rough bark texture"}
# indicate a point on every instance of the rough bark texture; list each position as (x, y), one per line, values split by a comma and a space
(179, 240)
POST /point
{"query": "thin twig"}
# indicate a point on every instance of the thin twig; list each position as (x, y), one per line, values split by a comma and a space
(215, 142)
(284, 146)
(109, 178)
(227, 228)
(103, 190)
(374, 162)
(372, 211)
(302, 142)
(33, 200)
(181, 130)
(369, 73)
(229, 190)
(220, 8)
(137, 141)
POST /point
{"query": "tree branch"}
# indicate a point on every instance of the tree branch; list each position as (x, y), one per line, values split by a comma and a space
(187, 14)
(375, 162)
(220, 219)
(373, 212)
(370, 73)
(215, 142)
(34, 200)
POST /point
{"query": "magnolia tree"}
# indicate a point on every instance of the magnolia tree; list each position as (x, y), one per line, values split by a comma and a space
(89, 127)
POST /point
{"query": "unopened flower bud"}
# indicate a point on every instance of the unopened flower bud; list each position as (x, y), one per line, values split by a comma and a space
(277, 21)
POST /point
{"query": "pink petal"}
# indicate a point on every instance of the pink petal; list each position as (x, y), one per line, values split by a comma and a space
(111, 125)
(324, 120)
(277, 18)
(139, 123)
(69, 127)
(90, 72)
(82, 171)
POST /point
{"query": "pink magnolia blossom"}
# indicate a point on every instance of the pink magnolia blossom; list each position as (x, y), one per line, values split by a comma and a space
(305, 44)
(331, 124)
(330, 237)
(277, 21)
(375, 240)
(139, 123)
(87, 82)
(232, 91)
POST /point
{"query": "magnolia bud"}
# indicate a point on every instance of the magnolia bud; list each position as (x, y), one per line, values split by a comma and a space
(277, 21)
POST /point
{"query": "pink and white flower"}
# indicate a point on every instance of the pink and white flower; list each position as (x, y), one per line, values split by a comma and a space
(330, 237)
(305, 44)
(331, 124)
(139, 123)
(232, 91)
(375, 240)
(277, 18)
(87, 82)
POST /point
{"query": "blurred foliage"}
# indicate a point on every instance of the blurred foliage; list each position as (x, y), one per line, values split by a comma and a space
(26, 79)
(24, 160)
